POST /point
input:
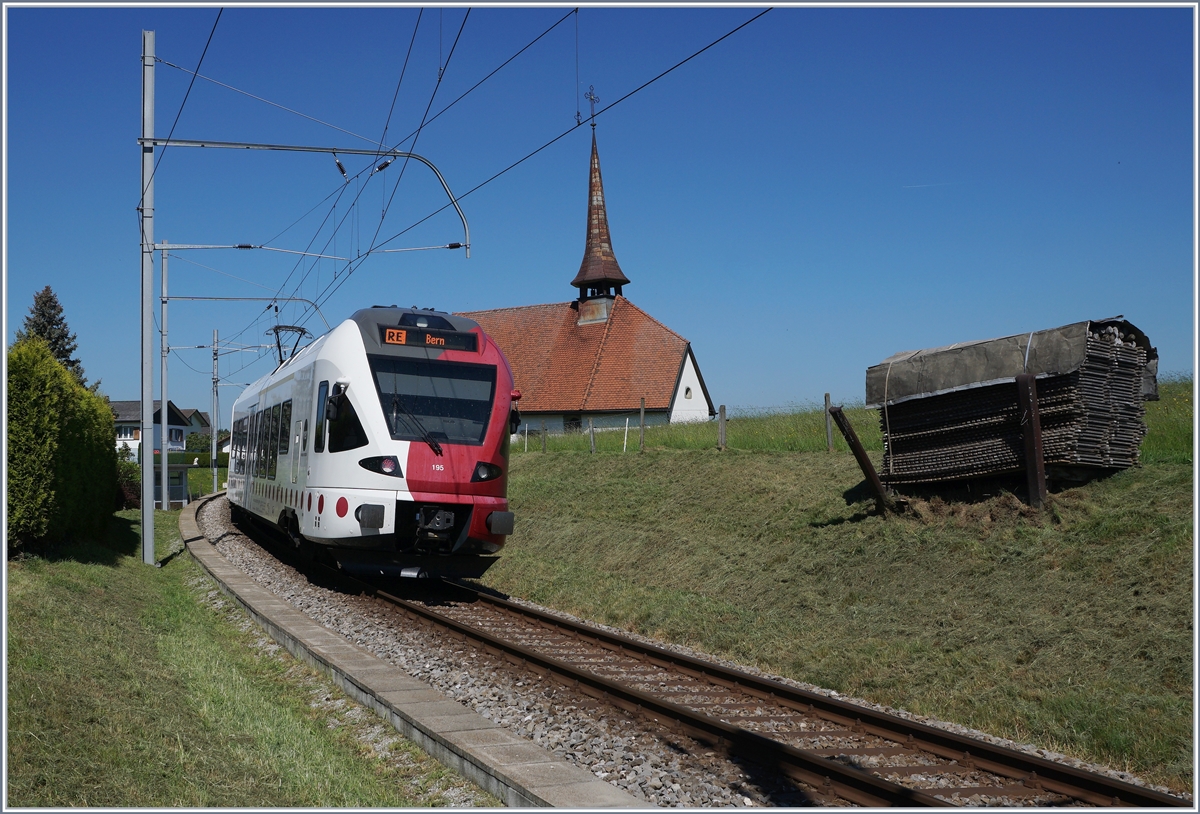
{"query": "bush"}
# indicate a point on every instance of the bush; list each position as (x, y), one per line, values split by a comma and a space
(129, 480)
(62, 465)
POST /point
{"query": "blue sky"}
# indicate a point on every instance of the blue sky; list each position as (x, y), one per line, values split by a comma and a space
(818, 191)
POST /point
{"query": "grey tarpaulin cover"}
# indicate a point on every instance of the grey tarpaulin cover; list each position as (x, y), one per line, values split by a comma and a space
(1056, 351)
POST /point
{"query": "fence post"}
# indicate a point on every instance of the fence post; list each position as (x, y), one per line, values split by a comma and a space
(721, 429)
(828, 426)
(1031, 434)
(543, 435)
(642, 430)
(592, 433)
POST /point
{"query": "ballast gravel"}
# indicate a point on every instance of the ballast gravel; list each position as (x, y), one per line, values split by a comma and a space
(661, 769)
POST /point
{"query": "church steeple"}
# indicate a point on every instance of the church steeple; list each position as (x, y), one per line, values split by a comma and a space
(599, 273)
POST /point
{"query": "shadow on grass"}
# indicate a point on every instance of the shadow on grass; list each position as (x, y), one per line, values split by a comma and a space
(123, 540)
(981, 490)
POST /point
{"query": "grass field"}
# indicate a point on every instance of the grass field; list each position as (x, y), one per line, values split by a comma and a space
(128, 686)
(1070, 627)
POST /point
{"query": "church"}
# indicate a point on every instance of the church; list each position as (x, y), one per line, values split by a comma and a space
(596, 357)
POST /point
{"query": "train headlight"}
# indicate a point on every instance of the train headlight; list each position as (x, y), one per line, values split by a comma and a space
(485, 471)
(383, 464)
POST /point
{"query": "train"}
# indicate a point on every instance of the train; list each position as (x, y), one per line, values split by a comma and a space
(382, 446)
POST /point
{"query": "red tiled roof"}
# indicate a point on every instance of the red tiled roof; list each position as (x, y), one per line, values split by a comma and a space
(561, 367)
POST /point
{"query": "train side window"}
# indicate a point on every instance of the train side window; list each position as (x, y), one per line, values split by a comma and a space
(252, 446)
(242, 451)
(272, 441)
(285, 423)
(319, 426)
(264, 429)
(346, 431)
(233, 446)
(239, 446)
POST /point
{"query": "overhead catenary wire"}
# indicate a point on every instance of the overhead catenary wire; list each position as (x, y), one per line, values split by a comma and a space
(461, 96)
(353, 266)
(353, 205)
(324, 296)
(331, 288)
(186, 94)
(284, 108)
(494, 71)
(218, 271)
(424, 121)
(570, 130)
(340, 191)
(341, 276)
(399, 82)
(578, 114)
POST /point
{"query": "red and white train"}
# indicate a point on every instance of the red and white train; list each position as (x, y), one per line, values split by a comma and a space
(383, 445)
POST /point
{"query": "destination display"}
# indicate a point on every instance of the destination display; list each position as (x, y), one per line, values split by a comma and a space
(425, 338)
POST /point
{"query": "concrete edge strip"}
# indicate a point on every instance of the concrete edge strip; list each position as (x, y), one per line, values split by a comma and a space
(517, 771)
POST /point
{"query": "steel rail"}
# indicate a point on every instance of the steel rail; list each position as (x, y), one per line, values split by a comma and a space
(831, 779)
(1032, 771)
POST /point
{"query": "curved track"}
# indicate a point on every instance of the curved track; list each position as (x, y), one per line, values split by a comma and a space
(836, 751)
(843, 750)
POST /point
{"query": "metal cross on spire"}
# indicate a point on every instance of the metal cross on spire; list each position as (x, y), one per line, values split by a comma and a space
(592, 99)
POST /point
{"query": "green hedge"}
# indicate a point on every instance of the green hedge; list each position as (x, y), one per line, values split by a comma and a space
(185, 457)
(54, 424)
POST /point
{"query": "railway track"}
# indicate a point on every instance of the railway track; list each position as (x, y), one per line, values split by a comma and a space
(835, 752)
(839, 751)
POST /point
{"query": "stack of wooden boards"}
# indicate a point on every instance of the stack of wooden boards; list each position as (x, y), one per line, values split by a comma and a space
(951, 413)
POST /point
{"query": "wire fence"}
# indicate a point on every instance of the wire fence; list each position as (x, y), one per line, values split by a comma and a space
(788, 429)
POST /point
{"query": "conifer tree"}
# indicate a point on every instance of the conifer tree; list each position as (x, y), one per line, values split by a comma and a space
(46, 320)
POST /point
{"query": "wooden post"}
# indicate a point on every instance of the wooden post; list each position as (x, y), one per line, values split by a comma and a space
(543, 435)
(642, 431)
(721, 429)
(1031, 433)
(592, 433)
(882, 501)
(828, 426)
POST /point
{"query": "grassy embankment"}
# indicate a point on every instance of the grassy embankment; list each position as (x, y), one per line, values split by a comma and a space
(1070, 627)
(129, 686)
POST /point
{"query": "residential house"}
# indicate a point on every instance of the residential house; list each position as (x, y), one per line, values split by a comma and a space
(180, 424)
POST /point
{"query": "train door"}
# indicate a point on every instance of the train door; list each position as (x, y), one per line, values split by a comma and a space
(298, 446)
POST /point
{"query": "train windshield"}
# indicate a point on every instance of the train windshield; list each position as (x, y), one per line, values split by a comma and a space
(434, 402)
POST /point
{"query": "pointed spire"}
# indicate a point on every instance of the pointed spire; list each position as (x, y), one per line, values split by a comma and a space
(599, 269)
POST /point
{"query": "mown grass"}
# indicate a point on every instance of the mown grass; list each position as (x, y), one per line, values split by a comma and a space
(1070, 627)
(1170, 421)
(127, 688)
(801, 430)
(200, 481)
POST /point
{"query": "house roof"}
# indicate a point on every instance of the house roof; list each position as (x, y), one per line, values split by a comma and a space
(126, 411)
(562, 367)
(599, 268)
(190, 413)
